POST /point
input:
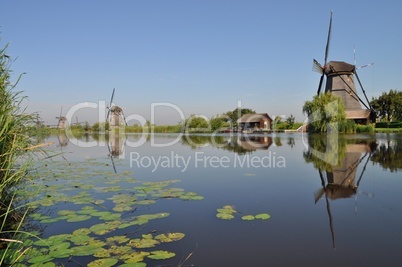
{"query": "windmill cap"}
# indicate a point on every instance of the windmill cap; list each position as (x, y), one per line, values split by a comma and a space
(339, 67)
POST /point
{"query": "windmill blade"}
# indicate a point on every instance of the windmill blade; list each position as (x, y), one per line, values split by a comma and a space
(318, 194)
(328, 40)
(320, 84)
(317, 67)
(108, 114)
(61, 111)
(111, 157)
(111, 99)
(354, 54)
(364, 66)
(364, 92)
(124, 117)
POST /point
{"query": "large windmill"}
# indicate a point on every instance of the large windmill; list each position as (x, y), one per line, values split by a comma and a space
(115, 115)
(340, 82)
(62, 123)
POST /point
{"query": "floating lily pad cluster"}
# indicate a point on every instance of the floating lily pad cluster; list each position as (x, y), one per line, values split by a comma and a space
(105, 203)
(228, 213)
(108, 250)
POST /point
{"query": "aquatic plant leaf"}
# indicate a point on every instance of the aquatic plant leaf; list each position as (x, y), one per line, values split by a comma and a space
(103, 262)
(46, 264)
(145, 202)
(80, 239)
(263, 216)
(143, 243)
(118, 239)
(85, 250)
(161, 255)
(102, 253)
(66, 212)
(104, 228)
(79, 218)
(224, 216)
(60, 246)
(170, 237)
(59, 254)
(197, 198)
(82, 231)
(41, 259)
(248, 217)
(119, 250)
(134, 257)
(227, 211)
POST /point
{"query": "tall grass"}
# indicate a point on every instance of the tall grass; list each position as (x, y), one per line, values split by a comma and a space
(14, 145)
(14, 141)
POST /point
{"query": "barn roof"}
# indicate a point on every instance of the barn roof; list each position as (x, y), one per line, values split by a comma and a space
(254, 117)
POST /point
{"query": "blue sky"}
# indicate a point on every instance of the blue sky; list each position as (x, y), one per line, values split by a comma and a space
(202, 56)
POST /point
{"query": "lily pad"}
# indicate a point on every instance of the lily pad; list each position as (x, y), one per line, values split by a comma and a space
(225, 216)
(41, 259)
(263, 216)
(248, 218)
(103, 262)
(170, 237)
(79, 218)
(161, 255)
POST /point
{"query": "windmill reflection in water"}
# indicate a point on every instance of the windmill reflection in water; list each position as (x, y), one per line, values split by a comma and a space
(344, 179)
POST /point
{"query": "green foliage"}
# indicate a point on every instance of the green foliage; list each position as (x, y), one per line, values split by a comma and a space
(365, 128)
(326, 114)
(219, 123)
(290, 121)
(388, 106)
(395, 124)
(196, 124)
(100, 127)
(234, 115)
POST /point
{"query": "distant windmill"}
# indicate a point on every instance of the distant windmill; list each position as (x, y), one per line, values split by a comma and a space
(115, 115)
(62, 121)
(340, 82)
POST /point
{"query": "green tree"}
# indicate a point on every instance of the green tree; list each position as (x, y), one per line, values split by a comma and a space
(237, 113)
(219, 122)
(388, 106)
(196, 123)
(326, 113)
(290, 121)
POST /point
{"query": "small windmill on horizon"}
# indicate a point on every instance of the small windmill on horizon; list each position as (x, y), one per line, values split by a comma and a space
(62, 123)
(340, 82)
(115, 115)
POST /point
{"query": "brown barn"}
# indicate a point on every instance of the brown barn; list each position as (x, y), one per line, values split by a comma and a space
(255, 122)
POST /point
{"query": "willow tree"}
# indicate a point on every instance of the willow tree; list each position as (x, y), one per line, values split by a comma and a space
(326, 113)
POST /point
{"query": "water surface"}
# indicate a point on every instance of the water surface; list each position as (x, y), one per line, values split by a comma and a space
(332, 200)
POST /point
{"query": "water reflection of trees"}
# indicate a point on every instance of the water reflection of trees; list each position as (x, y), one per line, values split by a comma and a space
(389, 154)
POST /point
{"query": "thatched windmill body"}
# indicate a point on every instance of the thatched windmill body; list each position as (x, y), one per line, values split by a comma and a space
(115, 115)
(341, 83)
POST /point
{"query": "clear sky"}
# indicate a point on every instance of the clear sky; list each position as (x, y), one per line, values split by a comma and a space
(200, 55)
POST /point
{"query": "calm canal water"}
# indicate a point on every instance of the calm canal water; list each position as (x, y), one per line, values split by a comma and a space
(333, 201)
